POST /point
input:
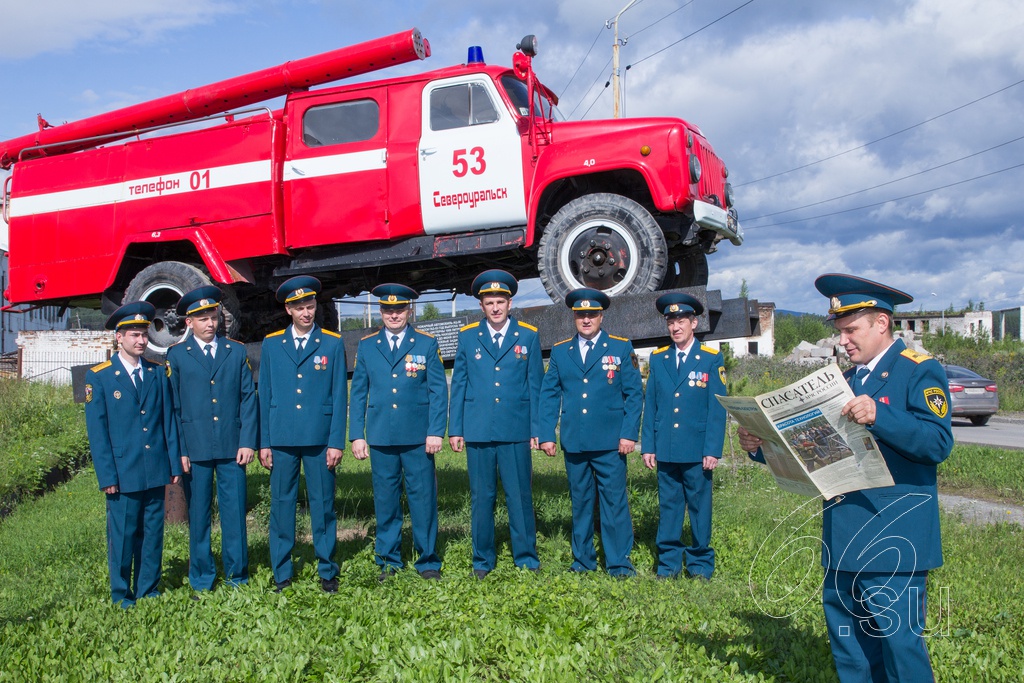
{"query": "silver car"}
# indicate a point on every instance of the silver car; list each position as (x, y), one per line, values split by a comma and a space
(971, 395)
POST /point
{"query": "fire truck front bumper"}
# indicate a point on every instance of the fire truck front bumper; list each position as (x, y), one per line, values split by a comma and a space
(719, 220)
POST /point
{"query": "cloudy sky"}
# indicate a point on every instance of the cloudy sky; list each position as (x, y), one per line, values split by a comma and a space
(881, 137)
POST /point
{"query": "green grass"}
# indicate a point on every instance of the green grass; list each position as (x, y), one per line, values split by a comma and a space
(57, 622)
(985, 471)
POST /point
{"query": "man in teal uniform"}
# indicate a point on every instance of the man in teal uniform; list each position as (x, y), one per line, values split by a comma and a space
(218, 421)
(683, 435)
(134, 443)
(494, 414)
(398, 417)
(878, 544)
(593, 382)
(303, 396)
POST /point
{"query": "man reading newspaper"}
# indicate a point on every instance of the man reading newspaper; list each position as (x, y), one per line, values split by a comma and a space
(878, 544)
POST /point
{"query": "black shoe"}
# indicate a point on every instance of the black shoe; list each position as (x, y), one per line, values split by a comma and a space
(481, 574)
(431, 574)
(386, 574)
(194, 597)
(329, 586)
(281, 585)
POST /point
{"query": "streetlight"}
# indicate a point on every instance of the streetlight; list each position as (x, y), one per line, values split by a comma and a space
(615, 58)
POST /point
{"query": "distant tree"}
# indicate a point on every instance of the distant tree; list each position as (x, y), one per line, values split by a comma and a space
(790, 330)
(430, 312)
(353, 323)
(744, 290)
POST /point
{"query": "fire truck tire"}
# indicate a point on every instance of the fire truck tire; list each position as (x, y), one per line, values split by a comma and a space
(689, 269)
(605, 241)
(162, 285)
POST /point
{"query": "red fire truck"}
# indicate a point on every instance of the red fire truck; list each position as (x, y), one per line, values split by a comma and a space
(424, 179)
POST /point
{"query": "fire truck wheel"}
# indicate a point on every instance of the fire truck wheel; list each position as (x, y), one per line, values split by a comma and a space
(162, 285)
(605, 241)
(689, 269)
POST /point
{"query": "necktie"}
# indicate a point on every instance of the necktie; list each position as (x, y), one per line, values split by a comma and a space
(858, 384)
(394, 343)
(680, 359)
(585, 349)
(137, 377)
(300, 343)
(208, 350)
(497, 340)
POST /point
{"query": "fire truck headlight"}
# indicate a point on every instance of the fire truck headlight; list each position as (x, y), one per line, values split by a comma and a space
(528, 45)
(694, 169)
(730, 198)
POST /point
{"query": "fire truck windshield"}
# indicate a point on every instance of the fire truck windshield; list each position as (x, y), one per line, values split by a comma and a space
(517, 92)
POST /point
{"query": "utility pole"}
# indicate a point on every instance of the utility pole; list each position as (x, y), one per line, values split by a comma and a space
(614, 23)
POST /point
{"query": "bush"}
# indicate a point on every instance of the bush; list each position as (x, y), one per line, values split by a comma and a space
(42, 434)
(1002, 361)
(790, 330)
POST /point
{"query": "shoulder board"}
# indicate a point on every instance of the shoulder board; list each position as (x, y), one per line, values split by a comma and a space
(562, 342)
(708, 349)
(102, 366)
(372, 334)
(154, 364)
(526, 325)
(425, 334)
(661, 350)
(914, 355)
(619, 338)
(275, 334)
(469, 326)
(330, 333)
(235, 340)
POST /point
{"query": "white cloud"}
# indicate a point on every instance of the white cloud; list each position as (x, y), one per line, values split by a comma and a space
(32, 28)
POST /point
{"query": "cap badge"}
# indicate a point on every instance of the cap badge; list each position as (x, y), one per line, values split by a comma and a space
(139, 316)
(204, 302)
(835, 302)
(392, 298)
(585, 303)
(674, 308)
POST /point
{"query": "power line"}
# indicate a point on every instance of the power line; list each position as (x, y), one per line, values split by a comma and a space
(890, 182)
(690, 35)
(596, 81)
(887, 201)
(884, 137)
(605, 89)
(683, 6)
(596, 38)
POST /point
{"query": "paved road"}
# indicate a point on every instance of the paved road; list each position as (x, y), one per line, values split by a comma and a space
(1001, 432)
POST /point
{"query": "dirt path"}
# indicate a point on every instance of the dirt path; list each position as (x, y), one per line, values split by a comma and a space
(981, 512)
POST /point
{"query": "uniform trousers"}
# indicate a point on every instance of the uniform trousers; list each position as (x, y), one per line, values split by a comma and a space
(684, 486)
(608, 469)
(284, 494)
(875, 626)
(389, 465)
(513, 462)
(198, 485)
(135, 544)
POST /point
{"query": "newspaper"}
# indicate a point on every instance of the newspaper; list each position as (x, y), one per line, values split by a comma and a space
(810, 447)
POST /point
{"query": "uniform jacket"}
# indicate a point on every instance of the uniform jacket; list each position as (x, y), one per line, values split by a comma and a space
(495, 396)
(214, 399)
(914, 438)
(398, 400)
(303, 395)
(132, 433)
(599, 401)
(895, 528)
(683, 421)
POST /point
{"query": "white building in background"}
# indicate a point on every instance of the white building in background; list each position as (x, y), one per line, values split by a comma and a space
(1006, 323)
(756, 345)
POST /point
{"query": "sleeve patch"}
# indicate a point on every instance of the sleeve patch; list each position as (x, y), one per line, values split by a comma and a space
(168, 366)
(721, 373)
(935, 397)
(88, 393)
(636, 361)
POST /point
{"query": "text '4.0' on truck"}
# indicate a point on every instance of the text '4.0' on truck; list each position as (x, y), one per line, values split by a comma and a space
(423, 179)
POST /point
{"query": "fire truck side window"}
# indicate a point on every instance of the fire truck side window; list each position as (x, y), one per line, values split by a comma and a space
(458, 106)
(336, 124)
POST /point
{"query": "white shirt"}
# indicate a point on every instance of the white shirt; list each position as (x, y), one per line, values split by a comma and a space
(390, 335)
(583, 344)
(504, 330)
